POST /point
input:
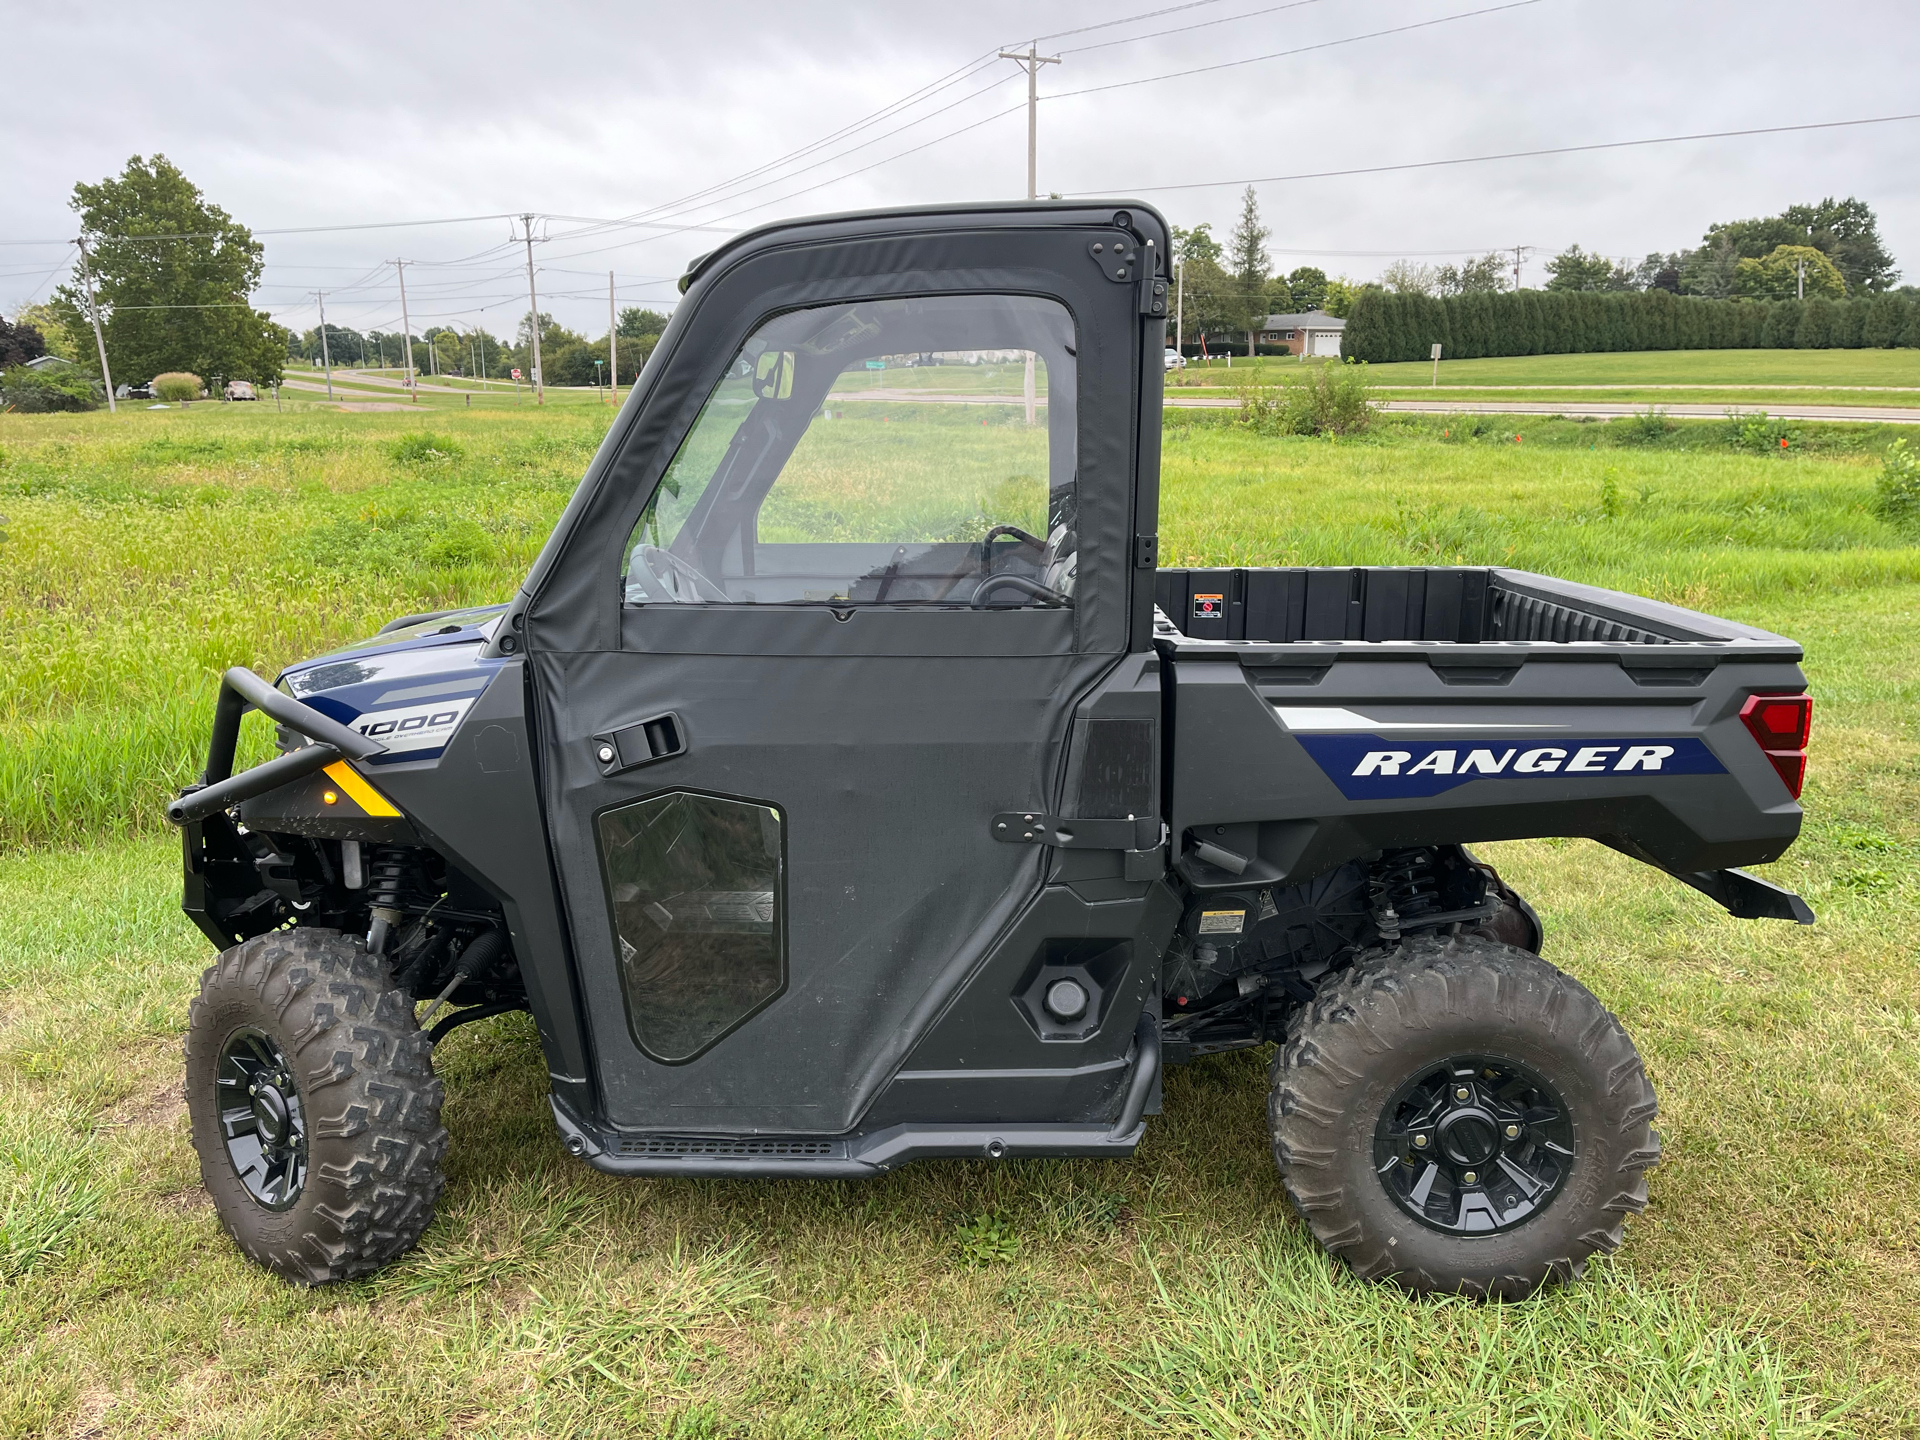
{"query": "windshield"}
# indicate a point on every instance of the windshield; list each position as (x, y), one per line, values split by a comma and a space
(893, 452)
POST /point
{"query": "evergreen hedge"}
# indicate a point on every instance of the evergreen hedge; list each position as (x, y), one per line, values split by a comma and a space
(1385, 326)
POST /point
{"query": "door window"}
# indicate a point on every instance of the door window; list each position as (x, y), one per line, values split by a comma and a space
(912, 452)
(695, 882)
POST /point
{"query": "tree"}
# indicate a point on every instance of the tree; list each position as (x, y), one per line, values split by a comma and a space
(1309, 287)
(1195, 245)
(174, 303)
(1659, 272)
(635, 322)
(1337, 299)
(1848, 233)
(19, 343)
(1574, 269)
(52, 332)
(1408, 277)
(344, 346)
(1486, 275)
(1778, 276)
(1248, 263)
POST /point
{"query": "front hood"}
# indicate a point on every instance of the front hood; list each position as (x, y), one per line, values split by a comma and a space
(407, 688)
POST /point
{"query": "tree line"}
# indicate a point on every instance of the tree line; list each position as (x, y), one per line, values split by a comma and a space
(567, 357)
(1384, 325)
(172, 273)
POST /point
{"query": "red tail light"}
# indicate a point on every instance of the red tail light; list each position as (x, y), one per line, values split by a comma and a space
(1781, 723)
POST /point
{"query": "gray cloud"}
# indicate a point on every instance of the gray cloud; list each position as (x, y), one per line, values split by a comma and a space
(357, 112)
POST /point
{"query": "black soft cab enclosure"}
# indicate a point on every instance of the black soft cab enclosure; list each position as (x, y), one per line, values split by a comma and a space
(846, 785)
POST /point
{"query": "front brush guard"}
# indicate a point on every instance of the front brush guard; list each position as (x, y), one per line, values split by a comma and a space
(219, 787)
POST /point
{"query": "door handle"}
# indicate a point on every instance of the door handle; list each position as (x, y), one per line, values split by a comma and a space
(660, 738)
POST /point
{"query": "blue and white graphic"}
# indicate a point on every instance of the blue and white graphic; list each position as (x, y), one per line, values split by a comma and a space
(1374, 767)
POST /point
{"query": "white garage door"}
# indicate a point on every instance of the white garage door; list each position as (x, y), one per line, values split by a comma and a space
(1323, 342)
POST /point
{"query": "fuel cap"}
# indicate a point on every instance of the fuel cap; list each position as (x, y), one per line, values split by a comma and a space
(1067, 999)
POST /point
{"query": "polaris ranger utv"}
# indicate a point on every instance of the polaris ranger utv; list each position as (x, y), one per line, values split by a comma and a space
(847, 785)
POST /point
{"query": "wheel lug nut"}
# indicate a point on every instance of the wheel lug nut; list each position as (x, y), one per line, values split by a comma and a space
(1461, 1092)
(1513, 1132)
(1419, 1142)
(1470, 1177)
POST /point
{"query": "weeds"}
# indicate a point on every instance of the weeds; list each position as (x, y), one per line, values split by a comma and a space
(1761, 433)
(1328, 400)
(988, 1239)
(1896, 494)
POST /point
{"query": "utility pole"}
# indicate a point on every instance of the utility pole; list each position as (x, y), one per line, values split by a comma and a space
(1179, 306)
(613, 343)
(93, 309)
(326, 358)
(533, 317)
(1517, 251)
(406, 330)
(1031, 61)
(1800, 280)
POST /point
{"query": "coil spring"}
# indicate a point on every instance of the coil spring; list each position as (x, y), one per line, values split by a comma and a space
(396, 881)
(1405, 881)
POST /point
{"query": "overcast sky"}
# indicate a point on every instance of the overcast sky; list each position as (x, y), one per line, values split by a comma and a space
(351, 114)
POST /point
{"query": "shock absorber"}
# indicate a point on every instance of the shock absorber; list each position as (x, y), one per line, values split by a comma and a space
(1405, 888)
(395, 884)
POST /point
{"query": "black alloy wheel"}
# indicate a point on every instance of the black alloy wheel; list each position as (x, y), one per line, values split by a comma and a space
(1474, 1145)
(1456, 1116)
(262, 1120)
(313, 1105)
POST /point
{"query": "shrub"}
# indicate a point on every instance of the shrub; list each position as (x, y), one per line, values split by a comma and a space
(1760, 432)
(1648, 425)
(177, 385)
(423, 447)
(39, 392)
(1330, 400)
(1896, 494)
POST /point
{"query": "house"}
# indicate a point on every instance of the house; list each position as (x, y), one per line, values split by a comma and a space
(1314, 333)
(49, 362)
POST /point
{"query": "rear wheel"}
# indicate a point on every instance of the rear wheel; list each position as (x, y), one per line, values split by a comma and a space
(1459, 1116)
(314, 1106)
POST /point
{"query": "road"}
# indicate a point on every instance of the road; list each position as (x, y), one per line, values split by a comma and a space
(1601, 410)
(1577, 410)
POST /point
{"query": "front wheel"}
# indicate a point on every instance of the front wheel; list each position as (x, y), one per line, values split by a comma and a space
(1459, 1116)
(313, 1105)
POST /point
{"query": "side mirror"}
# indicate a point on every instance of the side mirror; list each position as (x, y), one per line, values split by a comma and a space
(773, 375)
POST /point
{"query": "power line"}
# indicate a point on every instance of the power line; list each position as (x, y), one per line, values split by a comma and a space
(1298, 50)
(1507, 155)
(1183, 29)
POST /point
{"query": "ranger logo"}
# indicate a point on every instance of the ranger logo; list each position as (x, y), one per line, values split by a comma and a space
(1366, 767)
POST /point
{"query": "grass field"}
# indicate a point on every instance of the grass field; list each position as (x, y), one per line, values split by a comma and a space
(1719, 369)
(1773, 1287)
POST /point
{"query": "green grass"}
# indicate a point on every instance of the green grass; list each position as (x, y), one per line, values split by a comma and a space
(1730, 369)
(1772, 1288)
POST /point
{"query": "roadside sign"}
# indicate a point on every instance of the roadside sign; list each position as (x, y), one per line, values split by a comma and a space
(516, 372)
(1436, 351)
(876, 364)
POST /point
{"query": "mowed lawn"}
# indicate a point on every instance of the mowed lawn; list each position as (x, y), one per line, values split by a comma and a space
(1793, 370)
(1772, 1288)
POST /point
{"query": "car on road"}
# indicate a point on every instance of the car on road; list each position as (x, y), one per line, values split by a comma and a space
(1175, 360)
(824, 825)
(240, 390)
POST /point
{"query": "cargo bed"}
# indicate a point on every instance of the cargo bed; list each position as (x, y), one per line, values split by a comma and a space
(1321, 715)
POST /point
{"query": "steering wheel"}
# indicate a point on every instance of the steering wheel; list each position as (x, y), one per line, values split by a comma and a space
(671, 571)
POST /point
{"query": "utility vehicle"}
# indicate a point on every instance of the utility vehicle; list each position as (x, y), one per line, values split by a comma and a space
(848, 785)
